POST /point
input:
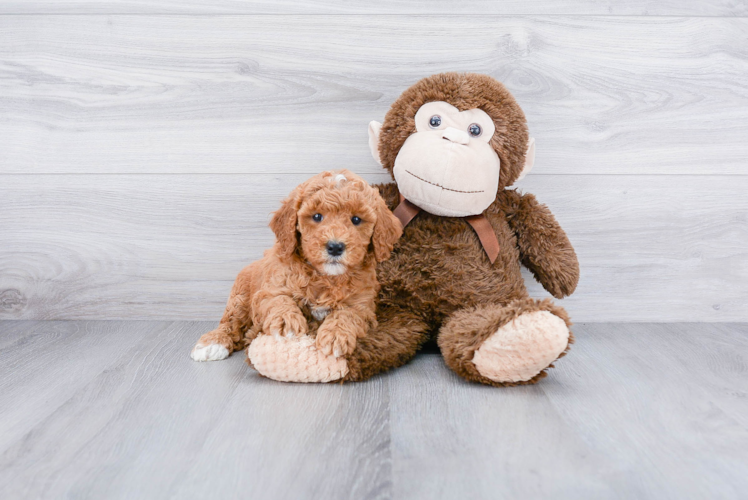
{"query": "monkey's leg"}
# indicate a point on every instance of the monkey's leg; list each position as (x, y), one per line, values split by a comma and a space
(229, 336)
(504, 345)
(393, 343)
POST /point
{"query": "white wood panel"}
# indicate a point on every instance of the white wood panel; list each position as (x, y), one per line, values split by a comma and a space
(249, 94)
(504, 7)
(651, 248)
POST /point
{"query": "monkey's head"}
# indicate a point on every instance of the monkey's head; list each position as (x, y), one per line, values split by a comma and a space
(452, 141)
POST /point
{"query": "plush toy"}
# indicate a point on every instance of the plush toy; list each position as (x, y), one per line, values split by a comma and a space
(454, 143)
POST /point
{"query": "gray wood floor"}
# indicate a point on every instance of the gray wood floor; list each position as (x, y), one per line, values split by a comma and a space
(116, 409)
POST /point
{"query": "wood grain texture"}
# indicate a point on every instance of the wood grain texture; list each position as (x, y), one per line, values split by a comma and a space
(118, 410)
(453, 439)
(155, 424)
(14, 331)
(652, 248)
(666, 400)
(69, 354)
(640, 122)
(460, 7)
(630, 417)
(266, 94)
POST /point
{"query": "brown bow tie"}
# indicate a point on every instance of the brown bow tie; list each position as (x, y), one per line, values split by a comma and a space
(405, 211)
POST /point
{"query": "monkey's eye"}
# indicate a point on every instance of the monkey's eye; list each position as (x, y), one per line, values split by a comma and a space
(356, 220)
(317, 217)
(435, 121)
(475, 130)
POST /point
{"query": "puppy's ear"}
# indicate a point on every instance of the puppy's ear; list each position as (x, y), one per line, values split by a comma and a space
(284, 221)
(387, 229)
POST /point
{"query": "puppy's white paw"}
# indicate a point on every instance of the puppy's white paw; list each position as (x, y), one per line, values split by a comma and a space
(212, 352)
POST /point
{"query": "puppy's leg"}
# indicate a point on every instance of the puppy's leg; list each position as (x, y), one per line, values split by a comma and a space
(229, 336)
(279, 315)
(338, 334)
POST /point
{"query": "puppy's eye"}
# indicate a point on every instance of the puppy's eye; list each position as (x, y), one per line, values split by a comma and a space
(475, 130)
(317, 217)
(356, 220)
(435, 121)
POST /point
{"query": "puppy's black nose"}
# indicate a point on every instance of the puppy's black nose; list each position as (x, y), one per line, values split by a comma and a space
(335, 248)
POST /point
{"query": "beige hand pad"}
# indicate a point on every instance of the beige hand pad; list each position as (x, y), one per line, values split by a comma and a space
(294, 359)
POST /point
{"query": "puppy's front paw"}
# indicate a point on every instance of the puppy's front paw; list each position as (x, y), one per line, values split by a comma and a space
(286, 322)
(211, 352)
(335, 341)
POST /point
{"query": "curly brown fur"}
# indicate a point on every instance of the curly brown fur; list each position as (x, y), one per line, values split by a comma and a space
(439, 266)
(545, 248)
(394, 342)
(284, 292)
(438, 275)
(438, 282)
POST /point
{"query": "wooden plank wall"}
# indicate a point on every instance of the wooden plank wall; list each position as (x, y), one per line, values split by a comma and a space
(143, 145)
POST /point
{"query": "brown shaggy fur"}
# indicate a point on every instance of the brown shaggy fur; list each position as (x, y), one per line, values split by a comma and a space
(438, 282)
(464, 92)
(278, 293)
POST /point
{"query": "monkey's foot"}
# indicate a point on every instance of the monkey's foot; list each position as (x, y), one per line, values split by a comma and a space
(522, 348)
(294, 359)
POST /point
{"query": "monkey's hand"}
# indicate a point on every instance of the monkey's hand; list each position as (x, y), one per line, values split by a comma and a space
(544, 247)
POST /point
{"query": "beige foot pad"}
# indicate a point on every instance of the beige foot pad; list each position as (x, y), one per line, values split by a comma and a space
(294, 359)
(522, 348)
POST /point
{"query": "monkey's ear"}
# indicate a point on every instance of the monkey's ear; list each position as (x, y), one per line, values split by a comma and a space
(374, 129)
(529, 159)
(387, 230)
(283, 224)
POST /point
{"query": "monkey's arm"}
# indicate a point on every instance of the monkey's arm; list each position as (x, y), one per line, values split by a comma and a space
(544, 247)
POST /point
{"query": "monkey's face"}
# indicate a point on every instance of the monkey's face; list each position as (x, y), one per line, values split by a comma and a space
(447, 167)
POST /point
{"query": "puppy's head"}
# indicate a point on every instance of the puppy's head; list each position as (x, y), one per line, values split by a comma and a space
(333, 221)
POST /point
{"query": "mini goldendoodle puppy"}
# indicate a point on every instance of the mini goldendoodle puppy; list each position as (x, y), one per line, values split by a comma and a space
(319, 279)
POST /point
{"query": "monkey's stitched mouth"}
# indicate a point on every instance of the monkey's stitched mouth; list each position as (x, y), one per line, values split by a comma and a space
(439, 186)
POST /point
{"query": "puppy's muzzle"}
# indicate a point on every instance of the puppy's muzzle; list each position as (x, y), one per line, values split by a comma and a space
(335, 248)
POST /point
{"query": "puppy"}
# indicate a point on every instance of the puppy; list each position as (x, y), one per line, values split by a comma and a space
(320, 276)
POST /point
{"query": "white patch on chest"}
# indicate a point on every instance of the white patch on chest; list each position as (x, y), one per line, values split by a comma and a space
(320, 313)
